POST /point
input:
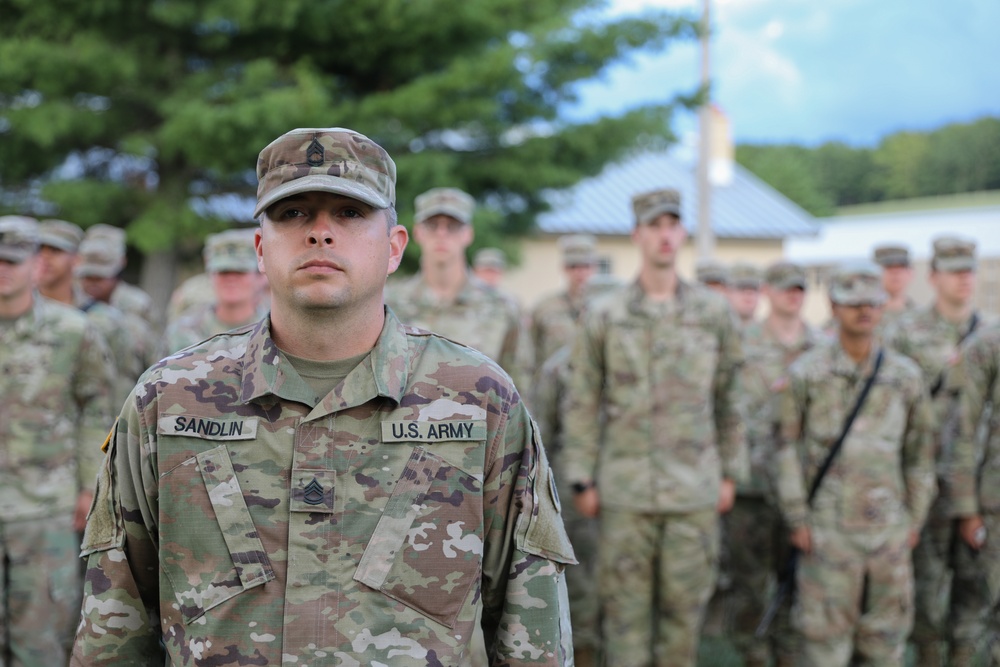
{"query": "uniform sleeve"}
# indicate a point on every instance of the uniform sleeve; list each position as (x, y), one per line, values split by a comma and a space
(545, 406)
(918, 456)
(516, 354)
(94, 390)
(972, 379)
(790, 401)
(582, 402)
(730, 431)
(120, 618)
(525, 607)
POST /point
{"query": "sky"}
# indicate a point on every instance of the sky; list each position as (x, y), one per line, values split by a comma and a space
(810, 71)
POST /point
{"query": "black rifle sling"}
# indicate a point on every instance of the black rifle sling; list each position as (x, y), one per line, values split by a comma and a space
(936, 389)
(835, 448)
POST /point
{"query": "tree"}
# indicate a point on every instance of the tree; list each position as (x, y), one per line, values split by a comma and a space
(124, 111)
(791, 171)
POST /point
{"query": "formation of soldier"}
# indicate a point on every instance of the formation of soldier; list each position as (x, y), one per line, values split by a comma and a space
(309, 474)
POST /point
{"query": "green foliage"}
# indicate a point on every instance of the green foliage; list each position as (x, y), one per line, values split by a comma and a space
(122, 110)
(953, 159)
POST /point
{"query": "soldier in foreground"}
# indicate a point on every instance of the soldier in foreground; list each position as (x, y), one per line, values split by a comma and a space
(757, 536)
(231, 263)
(931, 336)
(55, 406)
(328, 485)
(446, 298)
(972, 490)
(660, 358)
(855, 579)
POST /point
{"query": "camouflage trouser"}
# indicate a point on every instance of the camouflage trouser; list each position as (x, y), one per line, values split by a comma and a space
(41, 591)
(758, 547)
(976, 591)
(854, 597)
(655, 575)
(932, 571)
(581, 579)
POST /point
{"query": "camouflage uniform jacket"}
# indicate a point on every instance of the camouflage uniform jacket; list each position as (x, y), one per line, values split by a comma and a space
(890, 317)
(197, 325)
(481, 317)
(931, 341)
(663, 376)
(546, 401)
(242, 520)
(553, 322)
(767, 360)
(132, 300)
(111, 324)
(973, 479)
(55, 409)
(883, 475)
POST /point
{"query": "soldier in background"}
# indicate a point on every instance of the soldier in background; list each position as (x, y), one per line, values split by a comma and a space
(555, 317)
(444, 296)
(743, 291)
(55, 408)
(329, 485)
(193, 293)
(108, 285)
(972, 490)
(231, 262)
(713, 274)
(660, 358)
(59, 242)
(897, 274)
(490, 265)
(931, 336)
(855, 579)
(758, 539)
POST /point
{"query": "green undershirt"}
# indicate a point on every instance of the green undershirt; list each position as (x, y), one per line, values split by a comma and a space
(323, 376)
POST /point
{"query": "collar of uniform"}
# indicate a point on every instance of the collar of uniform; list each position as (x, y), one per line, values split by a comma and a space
(382, 373)
(24, 325)
(844, 366)
(639, 303)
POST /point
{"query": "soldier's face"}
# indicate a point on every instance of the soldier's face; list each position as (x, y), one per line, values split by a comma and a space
(895, 279)
(660, 240)
(54, 266)
(16, 278)
(786, 302)
(744, 301)
(578, 275)
(490, 275)
(234, 287)
(442, 238)
(857, 320)
(98, 287)
(954, 287)
(321, 250)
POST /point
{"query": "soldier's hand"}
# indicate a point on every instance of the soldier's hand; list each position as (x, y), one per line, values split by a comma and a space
(727, 496)
(587, 503)
(973, 531)
(83, 502)
(801, 539)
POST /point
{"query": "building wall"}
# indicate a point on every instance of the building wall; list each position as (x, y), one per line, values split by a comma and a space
(540, 272)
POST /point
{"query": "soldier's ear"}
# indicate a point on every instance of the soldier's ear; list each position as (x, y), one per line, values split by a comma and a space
(257, 241)
(398, 238)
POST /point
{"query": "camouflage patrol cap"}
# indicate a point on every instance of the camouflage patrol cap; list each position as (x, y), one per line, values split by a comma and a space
(232, 250)
(578, 250)
(856, 284)
(60, 234)
(711, 272)
(648, 206)
(332, 159)
(99, 258)
(444, 201)
(489, 258)
(953, 254)
(785, 275)
(18, 238)
(892, 254)
(744, 276)
(112, 237)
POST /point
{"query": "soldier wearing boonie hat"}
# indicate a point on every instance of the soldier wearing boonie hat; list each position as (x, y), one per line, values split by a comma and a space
(754, 528)
(447, 297)
(231, 262)
(55, 393)
(932, 336)
(855, 535)
(311, 435)
(643, 362)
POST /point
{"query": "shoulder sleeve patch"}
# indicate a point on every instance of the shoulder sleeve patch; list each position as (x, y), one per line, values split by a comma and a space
(545, 535)
(104, 529)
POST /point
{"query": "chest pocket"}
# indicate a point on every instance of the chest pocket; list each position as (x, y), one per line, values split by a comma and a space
(210, 550)
(427, 548)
